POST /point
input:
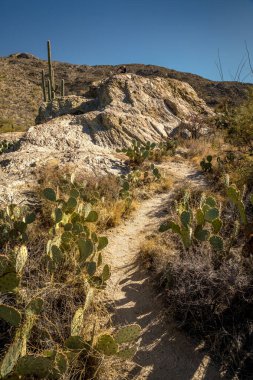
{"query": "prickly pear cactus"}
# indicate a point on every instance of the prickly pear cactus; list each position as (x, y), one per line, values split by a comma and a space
(127, 353)
(128, 334)
(77, 323)
(235, 197)
(21, 258)
(10, 314)
(31, 365)
(107, 345)
(216, 243)
(9, 282)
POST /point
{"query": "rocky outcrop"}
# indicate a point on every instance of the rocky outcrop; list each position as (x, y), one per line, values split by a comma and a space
(68, 105)
(83, 134)
(129, 106)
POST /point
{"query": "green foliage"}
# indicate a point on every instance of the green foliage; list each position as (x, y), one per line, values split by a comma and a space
(204, 224)
(139, 152)
(206, 164)
(240, 125)
(197, 226)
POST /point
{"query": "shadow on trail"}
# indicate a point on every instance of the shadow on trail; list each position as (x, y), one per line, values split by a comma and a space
(166, 353)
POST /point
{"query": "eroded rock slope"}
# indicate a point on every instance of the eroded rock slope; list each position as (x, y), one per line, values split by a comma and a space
(87, 131)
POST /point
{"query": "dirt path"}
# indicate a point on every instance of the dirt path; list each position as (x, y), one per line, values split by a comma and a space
(165, 353)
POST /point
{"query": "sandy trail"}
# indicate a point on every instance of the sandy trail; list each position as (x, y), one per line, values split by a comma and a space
(165, 353)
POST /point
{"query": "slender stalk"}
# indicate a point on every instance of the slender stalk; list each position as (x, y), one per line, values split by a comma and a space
(49, 89)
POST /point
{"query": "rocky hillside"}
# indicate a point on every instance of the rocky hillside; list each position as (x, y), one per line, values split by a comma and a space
(20, 91)
(82, 133)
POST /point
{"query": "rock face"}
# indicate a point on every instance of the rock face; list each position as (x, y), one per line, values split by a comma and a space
(69, 105)
(129, 106)
(89, 130)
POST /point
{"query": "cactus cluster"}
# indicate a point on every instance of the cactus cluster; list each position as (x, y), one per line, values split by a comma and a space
(49, 87)
(71, 246)
(137, 178)
(204, 224)
(139, 152)
(195, 226)
(206, 164)
(14, 221)
(12, 266)
(72, 231)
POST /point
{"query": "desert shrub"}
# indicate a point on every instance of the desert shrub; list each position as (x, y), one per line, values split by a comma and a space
(238, 123)
(215, 305)
(209, 283)
(240, 131)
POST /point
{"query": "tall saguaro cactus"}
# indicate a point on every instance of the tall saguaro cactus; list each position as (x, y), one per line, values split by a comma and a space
(50, 69)
(48, 87)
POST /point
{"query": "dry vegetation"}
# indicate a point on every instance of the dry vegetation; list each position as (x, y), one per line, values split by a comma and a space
(208, 284)
(54, 320)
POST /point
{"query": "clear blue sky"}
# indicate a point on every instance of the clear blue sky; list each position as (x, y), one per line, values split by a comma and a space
(181, 34)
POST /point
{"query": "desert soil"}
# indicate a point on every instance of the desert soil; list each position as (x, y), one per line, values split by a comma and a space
(164, 353)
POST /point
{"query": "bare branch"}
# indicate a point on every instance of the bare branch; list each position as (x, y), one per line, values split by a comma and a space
(248, 55)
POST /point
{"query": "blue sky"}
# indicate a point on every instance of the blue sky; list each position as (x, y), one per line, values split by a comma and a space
(180, 34)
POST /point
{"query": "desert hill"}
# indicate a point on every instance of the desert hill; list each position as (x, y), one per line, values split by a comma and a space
(83, 133)
(20, 89)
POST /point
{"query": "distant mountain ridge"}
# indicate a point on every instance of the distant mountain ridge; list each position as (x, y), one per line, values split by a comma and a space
(21, 95)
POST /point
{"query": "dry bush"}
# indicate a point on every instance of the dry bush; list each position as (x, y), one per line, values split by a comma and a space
(196, 149)
(209, 294)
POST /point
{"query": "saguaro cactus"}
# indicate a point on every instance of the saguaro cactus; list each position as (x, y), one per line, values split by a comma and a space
(49, 90)
(50, 69)
(48, 86)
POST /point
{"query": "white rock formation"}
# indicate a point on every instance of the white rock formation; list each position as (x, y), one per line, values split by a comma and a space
(87, 134)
